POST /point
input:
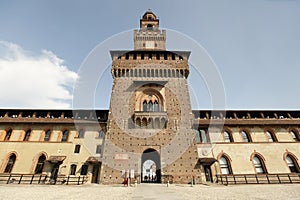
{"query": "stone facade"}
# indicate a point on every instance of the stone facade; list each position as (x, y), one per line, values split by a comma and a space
(150, 111)
(150, 132)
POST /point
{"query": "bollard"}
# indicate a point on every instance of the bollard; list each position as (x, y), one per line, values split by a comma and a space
(168, 183)
(191, 182)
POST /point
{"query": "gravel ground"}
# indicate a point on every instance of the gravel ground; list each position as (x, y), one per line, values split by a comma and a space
(150, 192)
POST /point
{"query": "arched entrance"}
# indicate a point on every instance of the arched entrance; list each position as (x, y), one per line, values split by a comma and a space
(151, 167)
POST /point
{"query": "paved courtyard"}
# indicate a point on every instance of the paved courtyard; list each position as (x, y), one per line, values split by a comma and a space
(150, 192)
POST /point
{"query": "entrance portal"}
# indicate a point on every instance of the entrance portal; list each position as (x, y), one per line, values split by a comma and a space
(151, 167)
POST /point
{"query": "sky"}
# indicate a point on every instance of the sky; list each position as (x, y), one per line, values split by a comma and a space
(254, 45)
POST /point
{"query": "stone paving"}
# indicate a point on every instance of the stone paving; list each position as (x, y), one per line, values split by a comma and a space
(150, 192)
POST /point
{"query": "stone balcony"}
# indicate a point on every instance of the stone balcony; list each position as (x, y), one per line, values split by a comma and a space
(150, 120)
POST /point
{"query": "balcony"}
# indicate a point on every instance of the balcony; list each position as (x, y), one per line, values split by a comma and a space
(150, 120)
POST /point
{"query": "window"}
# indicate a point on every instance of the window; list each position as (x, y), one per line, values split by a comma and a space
(292, 164)
(157, 55)
(73, 169)
(150, 106)
(65, 136)
(47, 135)
(245, 136)
(198, 140)
(10, 163)
(27, 135)
(155, 106)
(145, 106)
(81, 133)
(149, 26)
(8, 135)
(294, 135)
(224, 165)
(259, 165)
(99, 149)
(84, 170)
(40, 165)
(227, 136)
(77, 148)
(202, 136)
(271, 137)
(101, 134)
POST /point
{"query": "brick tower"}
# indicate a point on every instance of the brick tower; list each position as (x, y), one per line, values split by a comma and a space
(150, 135)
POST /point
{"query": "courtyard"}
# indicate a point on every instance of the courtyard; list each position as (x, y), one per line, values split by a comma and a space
(150, 192)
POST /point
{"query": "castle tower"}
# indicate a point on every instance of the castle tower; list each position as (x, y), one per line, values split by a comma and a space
(150, 135)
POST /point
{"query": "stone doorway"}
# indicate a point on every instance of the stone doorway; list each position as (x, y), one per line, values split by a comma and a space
(151, 167)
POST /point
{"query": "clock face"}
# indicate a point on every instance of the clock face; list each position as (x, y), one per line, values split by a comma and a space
(150, 44)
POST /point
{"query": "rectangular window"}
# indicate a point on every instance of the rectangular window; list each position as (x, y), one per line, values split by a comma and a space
(47, 135)
(73, 169)
(198, 139)
(204, 136)
(84, 170)
(99, 149)
(77, 148)
(27, 135)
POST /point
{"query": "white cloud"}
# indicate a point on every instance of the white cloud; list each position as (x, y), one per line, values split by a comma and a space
(33, 81)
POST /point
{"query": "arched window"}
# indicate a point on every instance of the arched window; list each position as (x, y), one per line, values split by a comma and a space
(47, 135)
(245, 136)
(81, 133)
(73, 169)
(144, 123)
(65, 136)
(227, 136)
(225, 166)
(8, 135)
(145, 105)
(40, 165)
(203, 135)
(150, 106)
(155, 106)
(271, 137)
(292, 164)
(10, 163)
(294, 135)
(138, 122)
(149, 26)
(101, 134)
(259, 165)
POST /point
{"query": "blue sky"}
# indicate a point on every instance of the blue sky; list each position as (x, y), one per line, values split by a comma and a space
(255, 45)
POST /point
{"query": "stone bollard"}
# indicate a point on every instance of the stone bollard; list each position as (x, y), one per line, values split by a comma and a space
(168, 184)
(135, 183)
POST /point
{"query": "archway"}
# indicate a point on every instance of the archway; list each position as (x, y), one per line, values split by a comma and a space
(151, 167)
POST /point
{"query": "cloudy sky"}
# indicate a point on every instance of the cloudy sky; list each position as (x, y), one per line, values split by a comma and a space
(255, 46)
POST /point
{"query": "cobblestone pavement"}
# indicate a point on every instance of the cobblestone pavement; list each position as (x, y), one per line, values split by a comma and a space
(150, 192)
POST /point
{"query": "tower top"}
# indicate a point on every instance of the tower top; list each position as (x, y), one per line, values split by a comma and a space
(149, 20)
(149, 36)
